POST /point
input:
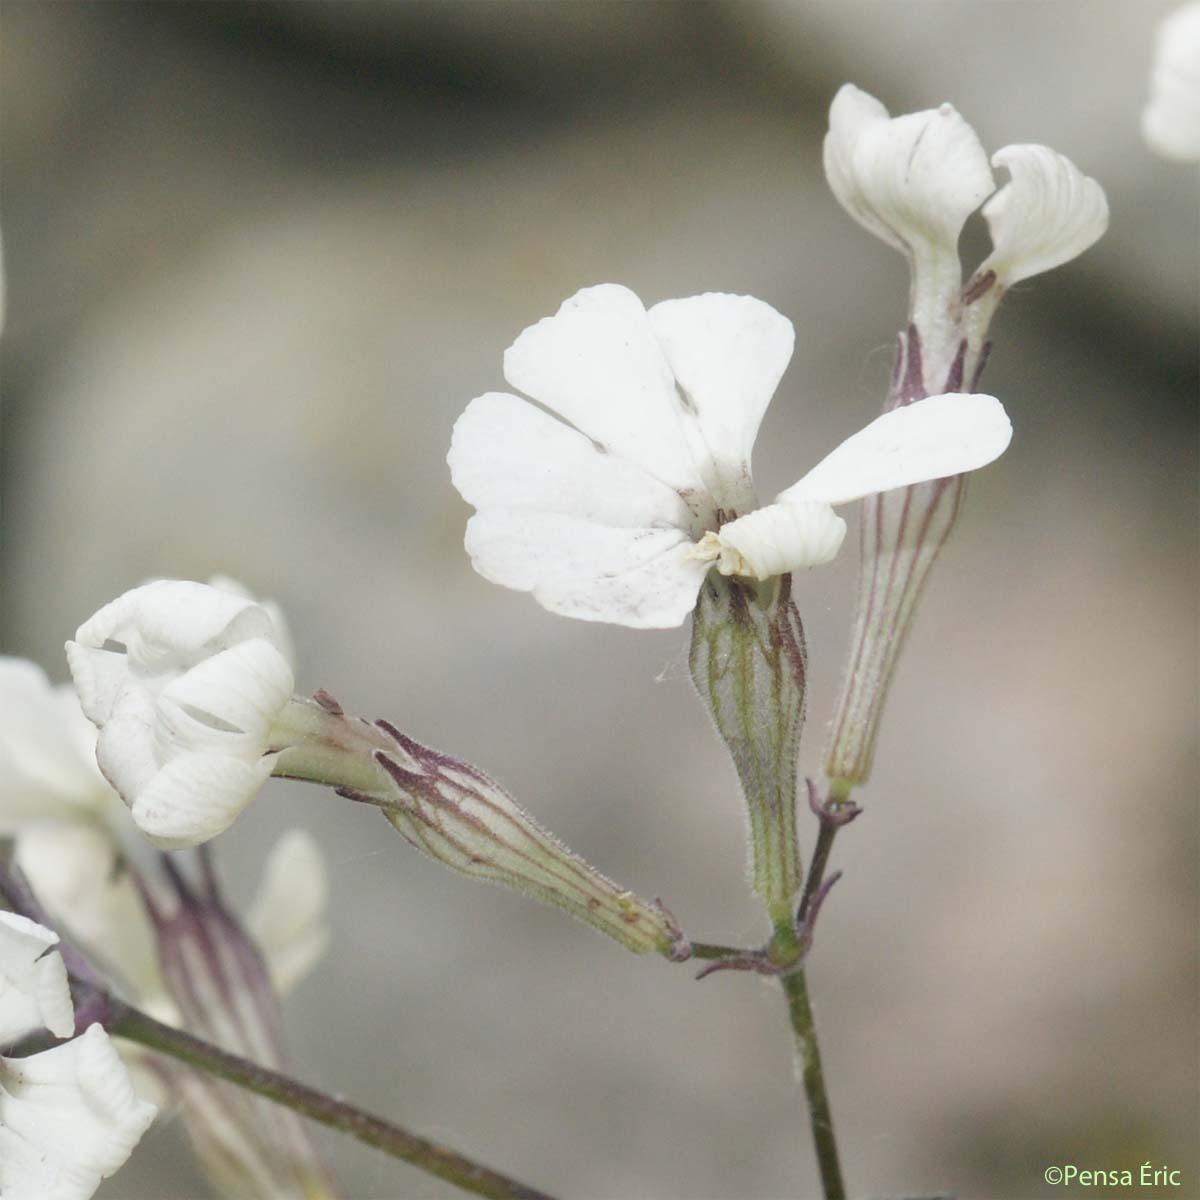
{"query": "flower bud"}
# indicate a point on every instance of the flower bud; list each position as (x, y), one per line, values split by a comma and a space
(184, 682)
(453, 812)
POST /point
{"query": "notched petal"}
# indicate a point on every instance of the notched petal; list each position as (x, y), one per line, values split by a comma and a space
(506, 453)
(600, 367)
(1048, 213)
(727, 354)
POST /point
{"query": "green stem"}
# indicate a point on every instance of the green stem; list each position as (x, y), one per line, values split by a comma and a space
(707, 950)
(795, 988)
(438, 1160)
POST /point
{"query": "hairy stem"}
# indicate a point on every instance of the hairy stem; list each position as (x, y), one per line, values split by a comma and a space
(438, 1160)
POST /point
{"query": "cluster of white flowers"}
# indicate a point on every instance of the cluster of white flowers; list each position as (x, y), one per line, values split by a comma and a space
(68, 1115)
(610, 494)
(613, 505)
(72, 835)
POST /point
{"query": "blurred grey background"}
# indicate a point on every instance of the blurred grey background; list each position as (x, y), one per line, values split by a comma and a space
(261, 255)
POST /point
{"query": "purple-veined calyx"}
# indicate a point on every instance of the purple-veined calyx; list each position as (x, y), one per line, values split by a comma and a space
(913, 180)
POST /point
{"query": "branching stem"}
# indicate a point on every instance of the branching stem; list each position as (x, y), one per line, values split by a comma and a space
(429, 1156)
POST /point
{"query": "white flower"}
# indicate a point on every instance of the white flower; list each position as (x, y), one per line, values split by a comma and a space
(47, 752)
(68, 1119)
(913, 180)
(69, 826)
(34, 992)
(1171, 120)
(184, 682)
(616, 511)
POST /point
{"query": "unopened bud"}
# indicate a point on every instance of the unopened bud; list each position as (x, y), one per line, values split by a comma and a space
(459, 816)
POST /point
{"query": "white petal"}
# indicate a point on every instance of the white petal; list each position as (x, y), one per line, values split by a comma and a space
(283, 635)
(99, 677)
(239, 690)
(780, 538)
(643, 578)
(34, 992)
(727, 354)
(287, 915)
(912, 179)
(68, 1119)
(74, 871)
(196, 796)
(598, 365)
(47, 750)
(852, 113)
(929, 439)
(174, 621)
(1047, 214)
(611, 298)
(507, 453)
(126, 748)
(1171, 120)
